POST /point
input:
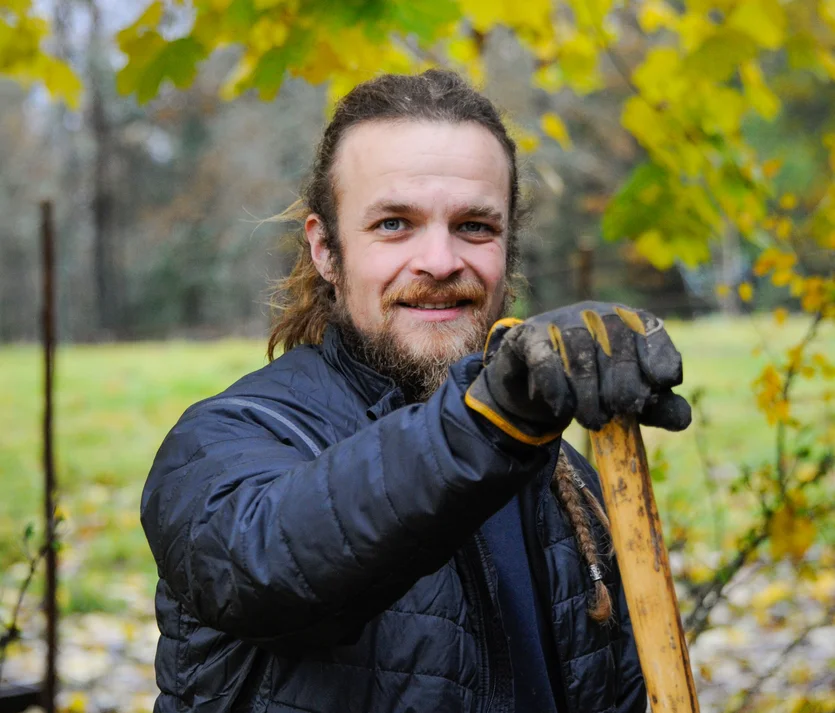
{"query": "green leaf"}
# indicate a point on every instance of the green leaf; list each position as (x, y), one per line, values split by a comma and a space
(269, 73)
(637, 205)
(719, 56)
(175, 61)
(802, 51)
(140, 50)
(241, 15)
(423, 19)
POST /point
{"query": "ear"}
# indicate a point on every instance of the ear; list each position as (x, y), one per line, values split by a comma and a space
(314, 230)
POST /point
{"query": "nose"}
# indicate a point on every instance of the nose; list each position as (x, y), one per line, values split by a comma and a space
(437, 254)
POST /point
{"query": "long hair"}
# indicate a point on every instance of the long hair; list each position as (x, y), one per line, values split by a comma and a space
(302, 303)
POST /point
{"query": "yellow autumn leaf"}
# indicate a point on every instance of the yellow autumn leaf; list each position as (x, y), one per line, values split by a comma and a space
(658, 77)
(765, 102)
(782, 277)
(578, 57)
(827, 61)
(654, 15)
(528, 142)
(529, 16)
(267, 33)
(694, 28)
(463, 50)
(78, 703)
(148, 20)
(654, 248)
(772, 167)
(239, 77)
(790, 534)
(722, 110)
(788, 201)
(590, 14)
(781, 314)
(772, 594)
(485, 14)
(746, 291)
(548, 78)
(554, 127)
(764, 21)
(823, 589)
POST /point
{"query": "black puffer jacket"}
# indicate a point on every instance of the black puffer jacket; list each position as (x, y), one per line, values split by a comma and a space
(319, 550)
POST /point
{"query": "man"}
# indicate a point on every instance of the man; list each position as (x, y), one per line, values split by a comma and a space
(377, 521)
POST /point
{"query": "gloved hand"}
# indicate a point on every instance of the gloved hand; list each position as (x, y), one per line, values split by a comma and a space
(590, 361)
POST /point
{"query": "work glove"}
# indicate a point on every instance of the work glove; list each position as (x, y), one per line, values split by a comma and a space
(590, 361)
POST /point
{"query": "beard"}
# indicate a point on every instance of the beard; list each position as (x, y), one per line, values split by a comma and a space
(419, 362)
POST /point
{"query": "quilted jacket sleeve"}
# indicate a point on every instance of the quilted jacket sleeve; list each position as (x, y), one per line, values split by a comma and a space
(258, 539)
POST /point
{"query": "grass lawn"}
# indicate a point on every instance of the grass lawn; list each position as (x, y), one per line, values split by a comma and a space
(115, 404)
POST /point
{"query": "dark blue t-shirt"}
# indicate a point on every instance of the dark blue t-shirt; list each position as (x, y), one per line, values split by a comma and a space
(522, 617)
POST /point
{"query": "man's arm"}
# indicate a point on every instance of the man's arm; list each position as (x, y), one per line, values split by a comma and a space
(259, 541)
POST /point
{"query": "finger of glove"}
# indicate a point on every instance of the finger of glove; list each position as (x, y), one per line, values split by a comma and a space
(496, 336)
(507, 378)
(579, 357)
(547, 383)
(660, 361)
(668, 411)
(623, 388)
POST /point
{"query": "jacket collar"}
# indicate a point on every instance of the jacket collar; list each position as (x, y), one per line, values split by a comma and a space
(380, 393)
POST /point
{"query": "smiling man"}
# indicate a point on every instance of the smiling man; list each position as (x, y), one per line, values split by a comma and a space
(385, 517)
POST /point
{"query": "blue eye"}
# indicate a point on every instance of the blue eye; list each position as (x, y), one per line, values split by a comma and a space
(392, 224)
(472, 226)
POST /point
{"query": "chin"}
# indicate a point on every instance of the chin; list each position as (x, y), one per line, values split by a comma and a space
(442, 343)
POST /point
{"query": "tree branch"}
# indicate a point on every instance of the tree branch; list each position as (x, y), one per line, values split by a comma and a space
(11, 632)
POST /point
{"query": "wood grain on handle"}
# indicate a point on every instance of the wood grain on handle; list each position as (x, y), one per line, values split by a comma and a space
(644, 567)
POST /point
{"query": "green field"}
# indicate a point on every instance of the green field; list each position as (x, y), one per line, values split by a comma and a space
(115, 404)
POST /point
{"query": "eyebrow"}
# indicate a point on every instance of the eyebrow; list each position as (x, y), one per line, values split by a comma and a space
(483, 211)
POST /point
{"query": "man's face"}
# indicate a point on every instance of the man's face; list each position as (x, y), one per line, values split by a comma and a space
(423, 214)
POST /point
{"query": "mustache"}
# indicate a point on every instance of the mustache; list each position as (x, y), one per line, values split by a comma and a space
(429, 290)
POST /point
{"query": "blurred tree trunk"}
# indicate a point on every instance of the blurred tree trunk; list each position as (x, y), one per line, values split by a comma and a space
(106, 264)
(729, 268)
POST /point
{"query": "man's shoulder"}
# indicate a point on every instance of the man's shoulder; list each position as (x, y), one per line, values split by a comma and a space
(300, 384)
(293, 399)
(302, 370)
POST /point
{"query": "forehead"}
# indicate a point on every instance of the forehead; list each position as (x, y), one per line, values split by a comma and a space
(421, 161)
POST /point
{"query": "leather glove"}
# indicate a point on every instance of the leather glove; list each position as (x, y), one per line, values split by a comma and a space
(590, 361)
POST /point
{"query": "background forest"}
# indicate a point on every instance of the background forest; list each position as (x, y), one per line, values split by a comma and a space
(677, 156)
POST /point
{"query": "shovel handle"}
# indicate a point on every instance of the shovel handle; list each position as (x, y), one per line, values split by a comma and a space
(644, 567)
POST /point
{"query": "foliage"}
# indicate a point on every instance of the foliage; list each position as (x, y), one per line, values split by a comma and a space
(22, 35)
(10, 629)
(700, 80)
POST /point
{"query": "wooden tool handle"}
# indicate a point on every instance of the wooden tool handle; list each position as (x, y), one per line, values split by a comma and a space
(644, 567)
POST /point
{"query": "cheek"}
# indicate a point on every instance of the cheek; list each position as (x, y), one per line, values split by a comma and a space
(371, 271)
(488, 261)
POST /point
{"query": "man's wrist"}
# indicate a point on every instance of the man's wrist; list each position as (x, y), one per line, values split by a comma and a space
(465, 374)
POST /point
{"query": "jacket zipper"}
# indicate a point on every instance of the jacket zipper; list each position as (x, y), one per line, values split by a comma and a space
(479, 596)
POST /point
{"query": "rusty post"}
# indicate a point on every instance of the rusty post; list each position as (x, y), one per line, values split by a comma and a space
(51, 556)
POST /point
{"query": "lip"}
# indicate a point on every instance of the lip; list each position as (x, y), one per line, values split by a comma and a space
(434, 315)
